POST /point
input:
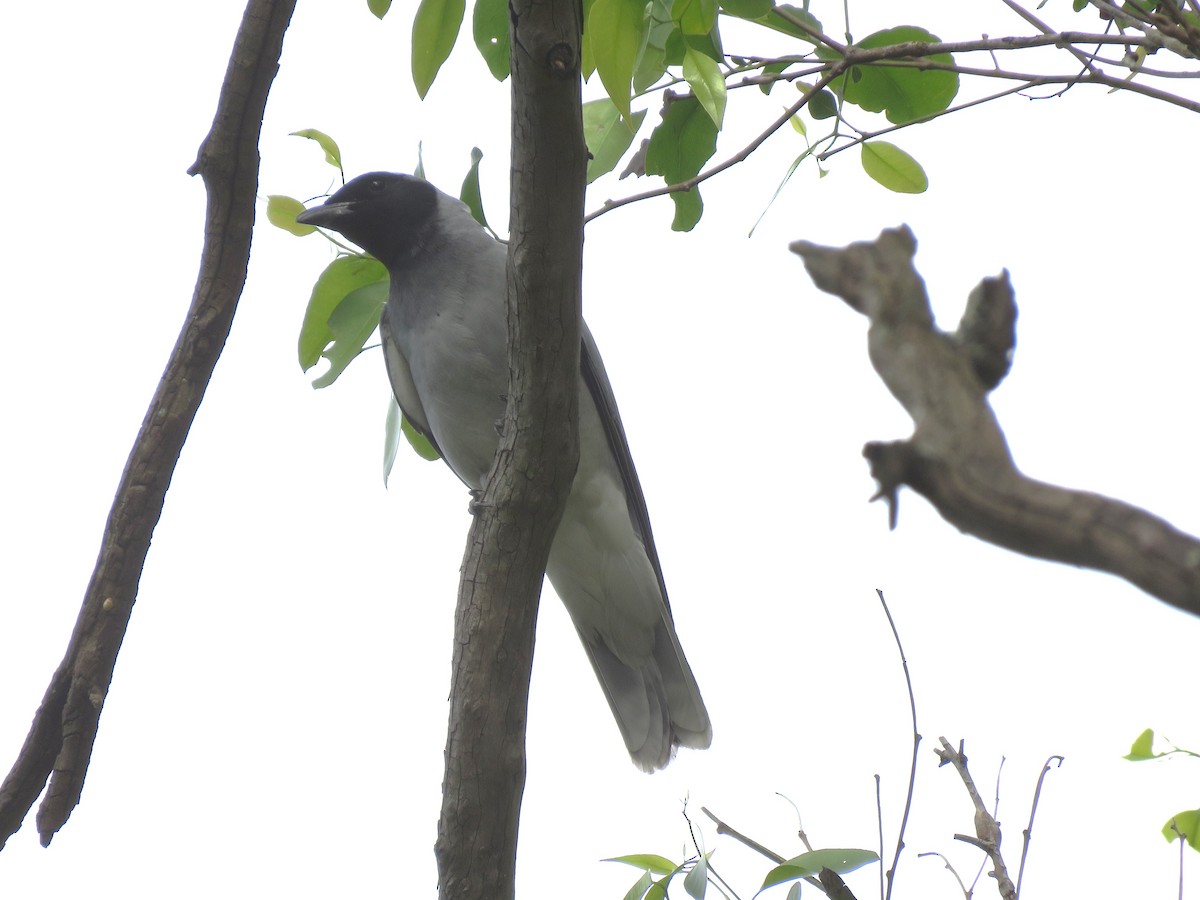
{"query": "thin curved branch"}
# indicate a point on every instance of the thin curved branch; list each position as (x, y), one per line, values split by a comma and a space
(687, 185)
(957, 457)
(917, 55)
(64, 727)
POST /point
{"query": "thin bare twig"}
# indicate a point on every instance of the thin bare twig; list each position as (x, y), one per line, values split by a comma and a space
(1028, 833)
(953, 871)
(912, 775)
(723, 828)
(687, 185)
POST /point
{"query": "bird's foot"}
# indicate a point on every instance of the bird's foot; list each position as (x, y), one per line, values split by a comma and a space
(476, 505)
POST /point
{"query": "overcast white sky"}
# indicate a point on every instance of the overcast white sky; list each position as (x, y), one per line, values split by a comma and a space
(276, 723)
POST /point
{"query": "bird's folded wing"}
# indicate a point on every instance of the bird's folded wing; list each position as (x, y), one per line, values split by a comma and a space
(601, 392)
(403, 388)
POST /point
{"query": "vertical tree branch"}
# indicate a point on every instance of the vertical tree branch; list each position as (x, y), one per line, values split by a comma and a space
(64, 728)
(525, 493)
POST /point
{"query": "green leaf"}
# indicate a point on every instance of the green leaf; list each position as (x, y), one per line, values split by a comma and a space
(1187, 822)
(656, 865)
(391, 436)
(771, 69)
(489, 27)
(379, 8)
(341, 277)
(689, 207)
(681, 144)
(395, 427)
(638, 891)
(822, 104)
(794, 891)
(695, 16)
(893, 168)
(333, 155)
(683, 141)
(707, 83)
(469, 193)
(607, 135)
(1143, 747)
(435, 29)
(616, 31)
(282, 212)
(418, 441)
(351, 323)
(903, 94)
(786, 178)
(747, 9)
(811, 864)
(696, 881)
(419, 171)
(783, 18)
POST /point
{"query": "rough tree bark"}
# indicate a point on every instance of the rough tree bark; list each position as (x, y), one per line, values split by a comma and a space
(64, 728)
(957, 457)
(520, 507)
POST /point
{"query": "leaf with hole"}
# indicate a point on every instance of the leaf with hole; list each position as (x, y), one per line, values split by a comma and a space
(489, 28)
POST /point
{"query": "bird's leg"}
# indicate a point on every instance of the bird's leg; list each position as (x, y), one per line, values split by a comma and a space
(476, 505)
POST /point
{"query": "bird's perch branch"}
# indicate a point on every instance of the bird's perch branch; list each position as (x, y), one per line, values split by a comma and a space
(987, 829)
(526, 491)
(64, 727)
(957, 457)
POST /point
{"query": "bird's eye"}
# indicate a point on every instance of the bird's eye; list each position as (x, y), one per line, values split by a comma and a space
(375, 186)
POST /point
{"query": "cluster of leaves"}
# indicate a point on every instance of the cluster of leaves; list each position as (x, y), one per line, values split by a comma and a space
(1184, 825)
(637, 49)
(658, 872)
(348, 297)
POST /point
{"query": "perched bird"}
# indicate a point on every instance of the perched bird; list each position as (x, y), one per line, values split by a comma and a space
(444, 337)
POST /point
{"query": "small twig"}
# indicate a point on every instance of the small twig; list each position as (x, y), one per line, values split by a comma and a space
(722, 885)
(879, 820)
(754, 845)
(1047, 30)
(800, 832)
(1182, 843)
(912, 775)
(1028, 833)
(690, 183)
(987, 829)
(962, 887)
(723, 828)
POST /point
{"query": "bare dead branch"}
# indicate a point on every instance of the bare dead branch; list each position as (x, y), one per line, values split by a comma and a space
(918, 55)
(1027, 835)
(987, 829)
(723, 828)
(912, 774)
(957, 457)
(64, 727)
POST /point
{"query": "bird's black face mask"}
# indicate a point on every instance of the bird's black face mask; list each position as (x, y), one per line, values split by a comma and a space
(384, 213)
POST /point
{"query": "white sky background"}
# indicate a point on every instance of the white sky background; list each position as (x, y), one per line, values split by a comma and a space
(276, 724)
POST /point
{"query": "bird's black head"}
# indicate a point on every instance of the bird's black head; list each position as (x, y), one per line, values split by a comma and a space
(384, 213)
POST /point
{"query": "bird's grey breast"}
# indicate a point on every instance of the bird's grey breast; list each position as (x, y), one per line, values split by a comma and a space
(446, 313)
